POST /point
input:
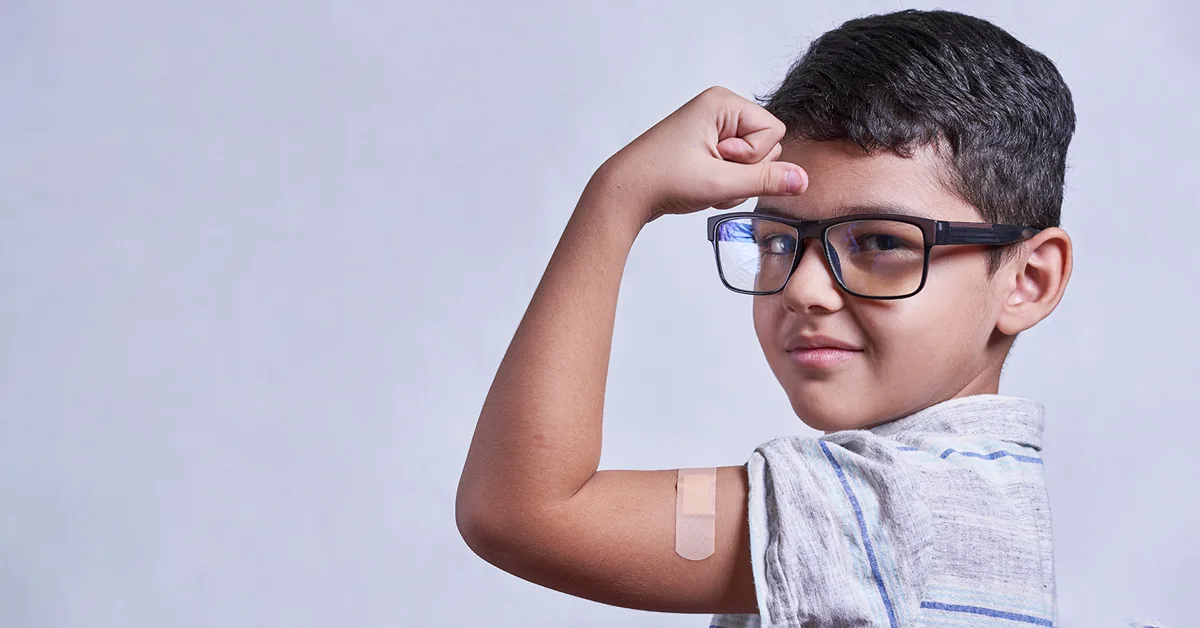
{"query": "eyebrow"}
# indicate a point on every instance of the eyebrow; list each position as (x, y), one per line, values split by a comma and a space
(847, 210)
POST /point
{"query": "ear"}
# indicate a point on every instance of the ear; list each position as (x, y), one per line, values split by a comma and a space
(1039, 278)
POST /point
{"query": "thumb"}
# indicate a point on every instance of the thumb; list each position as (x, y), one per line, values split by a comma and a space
(766, 178)
(780, 178)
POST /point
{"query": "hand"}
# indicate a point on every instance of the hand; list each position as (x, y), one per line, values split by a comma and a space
(717, 150)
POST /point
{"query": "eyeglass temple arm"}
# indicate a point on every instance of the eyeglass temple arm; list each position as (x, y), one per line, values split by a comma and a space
(981, 233)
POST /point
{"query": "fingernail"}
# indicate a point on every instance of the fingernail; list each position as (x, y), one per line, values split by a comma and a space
(793, 182)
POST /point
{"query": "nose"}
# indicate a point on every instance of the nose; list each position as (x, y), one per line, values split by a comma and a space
(812, 286)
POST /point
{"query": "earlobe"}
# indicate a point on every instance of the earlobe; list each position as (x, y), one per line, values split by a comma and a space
(1041, 276)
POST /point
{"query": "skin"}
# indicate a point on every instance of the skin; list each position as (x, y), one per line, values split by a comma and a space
(962, 316)
(531, 499)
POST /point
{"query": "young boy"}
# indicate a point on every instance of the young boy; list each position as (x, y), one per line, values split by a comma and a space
(909, 172)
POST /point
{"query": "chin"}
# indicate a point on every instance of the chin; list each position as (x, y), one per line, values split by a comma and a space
(829, 410)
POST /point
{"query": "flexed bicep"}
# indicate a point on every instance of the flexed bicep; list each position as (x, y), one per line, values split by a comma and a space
(615, 542)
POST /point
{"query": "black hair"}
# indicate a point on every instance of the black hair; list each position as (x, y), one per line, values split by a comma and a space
(997, 110)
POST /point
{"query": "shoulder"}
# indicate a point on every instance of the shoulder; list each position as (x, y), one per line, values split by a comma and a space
(839, 529)
(860, 449)
(852, 481)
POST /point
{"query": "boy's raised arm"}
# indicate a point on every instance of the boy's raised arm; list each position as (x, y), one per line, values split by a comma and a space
(530, 499)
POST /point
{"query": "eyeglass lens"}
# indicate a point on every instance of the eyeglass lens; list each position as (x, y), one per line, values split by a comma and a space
(874, 258)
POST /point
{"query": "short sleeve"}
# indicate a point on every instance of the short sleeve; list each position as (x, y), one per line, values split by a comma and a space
(838, 533)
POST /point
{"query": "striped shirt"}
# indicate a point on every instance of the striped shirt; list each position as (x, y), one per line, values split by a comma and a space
(939, 518)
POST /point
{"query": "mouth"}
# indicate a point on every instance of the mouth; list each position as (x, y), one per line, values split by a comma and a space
(820, 352)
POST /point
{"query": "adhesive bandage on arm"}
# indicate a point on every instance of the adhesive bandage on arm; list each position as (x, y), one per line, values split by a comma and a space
(696, 513)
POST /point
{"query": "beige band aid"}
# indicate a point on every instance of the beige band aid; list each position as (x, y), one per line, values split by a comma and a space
(696, 513)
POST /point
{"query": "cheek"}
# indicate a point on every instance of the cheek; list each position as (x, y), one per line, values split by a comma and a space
(941, 329)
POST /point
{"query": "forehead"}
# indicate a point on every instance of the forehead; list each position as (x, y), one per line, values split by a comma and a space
(843, 179)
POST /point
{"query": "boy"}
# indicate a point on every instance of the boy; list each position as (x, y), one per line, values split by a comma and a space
(909, 172)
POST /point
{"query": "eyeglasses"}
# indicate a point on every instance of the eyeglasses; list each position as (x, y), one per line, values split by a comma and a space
(874, 256)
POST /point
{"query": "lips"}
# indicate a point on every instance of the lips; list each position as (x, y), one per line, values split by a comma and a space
(818, 342)
(819, 352)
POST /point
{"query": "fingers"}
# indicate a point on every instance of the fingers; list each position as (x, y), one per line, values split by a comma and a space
(774, 181)
(739, 150)
(746, 147)
(775, 152)
(757, 131)
(764, 177)
(735, 149)
(761, 143)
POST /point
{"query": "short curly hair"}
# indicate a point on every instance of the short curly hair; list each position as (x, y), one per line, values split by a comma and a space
(997, 110)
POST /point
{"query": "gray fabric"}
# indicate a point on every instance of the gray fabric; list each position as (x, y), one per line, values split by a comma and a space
(935, 519)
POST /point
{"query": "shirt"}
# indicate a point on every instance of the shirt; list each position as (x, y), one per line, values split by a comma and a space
(939, 518)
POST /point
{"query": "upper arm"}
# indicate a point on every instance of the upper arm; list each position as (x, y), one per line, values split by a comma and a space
(614, 542)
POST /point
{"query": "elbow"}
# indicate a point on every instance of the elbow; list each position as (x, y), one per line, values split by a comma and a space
(489, 529)
(509, 534)
(480, 532)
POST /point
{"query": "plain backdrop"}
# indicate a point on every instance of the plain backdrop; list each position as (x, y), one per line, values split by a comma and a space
(260, 260)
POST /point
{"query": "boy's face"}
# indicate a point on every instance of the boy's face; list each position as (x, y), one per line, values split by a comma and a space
(898, 356)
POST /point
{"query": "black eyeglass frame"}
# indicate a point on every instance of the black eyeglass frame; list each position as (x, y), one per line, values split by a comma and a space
(935, 232)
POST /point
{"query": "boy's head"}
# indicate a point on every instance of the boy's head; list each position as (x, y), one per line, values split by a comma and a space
(932, 114)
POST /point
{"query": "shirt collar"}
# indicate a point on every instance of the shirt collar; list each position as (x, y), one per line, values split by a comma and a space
(1012, 419)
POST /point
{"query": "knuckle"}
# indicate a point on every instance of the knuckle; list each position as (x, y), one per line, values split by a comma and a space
(768, 180)
(714, 93)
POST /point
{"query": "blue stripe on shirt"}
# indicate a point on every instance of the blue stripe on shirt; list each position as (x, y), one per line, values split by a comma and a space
(862, 528)
(993, 455)
(988, 456)
(979, 610)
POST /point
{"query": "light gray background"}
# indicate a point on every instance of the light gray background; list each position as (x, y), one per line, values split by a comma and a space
(259, 261)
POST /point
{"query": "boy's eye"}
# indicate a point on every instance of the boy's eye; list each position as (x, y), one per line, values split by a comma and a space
(880, 242)
(777, 244)
(879, 237)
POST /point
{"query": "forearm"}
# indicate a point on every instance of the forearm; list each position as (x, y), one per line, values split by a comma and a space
(530, 500)
(537, 441)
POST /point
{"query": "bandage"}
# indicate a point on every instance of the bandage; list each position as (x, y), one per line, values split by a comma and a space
(696, 513)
